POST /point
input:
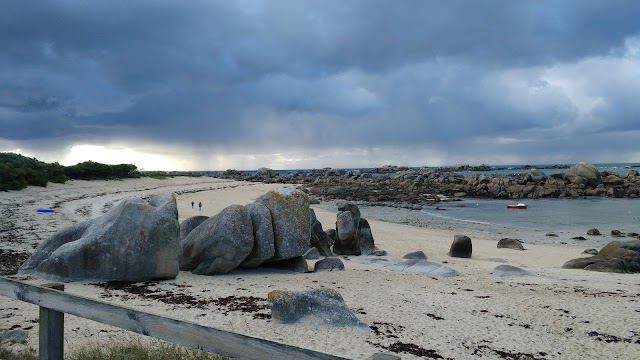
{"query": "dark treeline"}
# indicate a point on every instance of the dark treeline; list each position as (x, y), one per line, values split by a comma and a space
(17, 172)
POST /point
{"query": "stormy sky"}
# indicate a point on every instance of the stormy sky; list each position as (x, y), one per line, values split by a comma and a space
(289, 84)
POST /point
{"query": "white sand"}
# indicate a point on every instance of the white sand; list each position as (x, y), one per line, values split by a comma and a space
(474, 315)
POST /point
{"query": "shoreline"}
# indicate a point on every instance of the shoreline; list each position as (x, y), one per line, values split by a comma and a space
(465, 317)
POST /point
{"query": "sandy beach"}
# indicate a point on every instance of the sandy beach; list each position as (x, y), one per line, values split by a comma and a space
(554, 314)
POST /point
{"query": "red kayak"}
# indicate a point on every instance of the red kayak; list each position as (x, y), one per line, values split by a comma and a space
(518, 206)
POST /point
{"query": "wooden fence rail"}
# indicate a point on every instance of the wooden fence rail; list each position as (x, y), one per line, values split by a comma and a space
(175, 331)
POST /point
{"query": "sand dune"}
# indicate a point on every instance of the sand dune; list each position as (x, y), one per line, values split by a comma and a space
(556, 314)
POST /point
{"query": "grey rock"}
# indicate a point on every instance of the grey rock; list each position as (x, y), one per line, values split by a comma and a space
(312, 254)
(219, 244)
(537, 175)
(137, 240)
(593, 231)
(509, 270)
(383, 356)
(263, 239)
(333, 235)
(583, 173)
(508, 243)
(617, 233)
(189, 224)
(320, 307)
(423, 267)
(365, 242)
(291, 224)
(461, 247)
(552, 234)
(378, 252)
(419, 255)
(314, 200)
(319, 238)
(590, 252)
(329, 264)
(346, 225)
(14, 336)
(579, 238)
(615, 257)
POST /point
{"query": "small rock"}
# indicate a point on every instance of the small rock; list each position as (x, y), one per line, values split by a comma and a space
(617, 233)
(508, 243)
(379, 253)
(461, 247)
(416, 255)
(552, 234)
(384, 356)
(329, 264)
(579, 238)
(593, 231)
(509, 270)
(591, 252)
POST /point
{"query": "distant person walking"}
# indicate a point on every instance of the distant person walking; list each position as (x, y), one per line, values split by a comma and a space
(200, 205)
(192, 204)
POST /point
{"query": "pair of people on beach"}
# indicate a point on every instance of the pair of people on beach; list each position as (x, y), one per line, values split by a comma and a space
(199, 205)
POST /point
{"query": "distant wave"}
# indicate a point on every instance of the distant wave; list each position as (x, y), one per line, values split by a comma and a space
(456, 219)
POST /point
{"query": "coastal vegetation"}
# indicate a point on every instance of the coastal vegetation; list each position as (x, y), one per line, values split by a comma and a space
(18, 171)
(130, 351)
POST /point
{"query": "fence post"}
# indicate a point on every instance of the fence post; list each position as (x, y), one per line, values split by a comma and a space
(51, 345)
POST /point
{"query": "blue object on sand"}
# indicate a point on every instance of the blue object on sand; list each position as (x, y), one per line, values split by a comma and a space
(45, 210)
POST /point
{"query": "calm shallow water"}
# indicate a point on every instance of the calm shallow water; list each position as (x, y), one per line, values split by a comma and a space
(566, 217)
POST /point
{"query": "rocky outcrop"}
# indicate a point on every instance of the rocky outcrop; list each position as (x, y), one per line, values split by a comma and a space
(353, 233)
(615, 257)
(137, 240)
(405, 186)
(320, 307)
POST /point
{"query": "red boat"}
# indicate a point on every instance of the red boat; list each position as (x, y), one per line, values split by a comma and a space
(518, 206)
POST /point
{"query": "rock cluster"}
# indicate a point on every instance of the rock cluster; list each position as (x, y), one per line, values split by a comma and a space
(615, 257)
(353, 234)
(277, 226)
(427, 185)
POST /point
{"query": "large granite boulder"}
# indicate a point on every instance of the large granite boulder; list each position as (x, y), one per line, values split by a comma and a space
(320, 307)
(461, 247)
(137, 240)
(537, 175)
(291, 222)
(615, 257)
(189, 224)
(220, 243)
(263, 239)
(353, 233)
(583, 173)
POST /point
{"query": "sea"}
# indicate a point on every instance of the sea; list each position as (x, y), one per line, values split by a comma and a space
(566, 218)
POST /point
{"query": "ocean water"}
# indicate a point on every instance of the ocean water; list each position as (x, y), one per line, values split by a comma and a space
(492, 219)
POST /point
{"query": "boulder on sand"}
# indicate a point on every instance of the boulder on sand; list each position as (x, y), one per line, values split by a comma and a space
(319, 239)
(219, 244)
(353, 233)
(461, 247)
(508, 243)
(615, 257)
(320, 307)
(137, 240)
(291, 222)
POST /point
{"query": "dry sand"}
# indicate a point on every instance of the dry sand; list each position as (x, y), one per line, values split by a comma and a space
(556, 314)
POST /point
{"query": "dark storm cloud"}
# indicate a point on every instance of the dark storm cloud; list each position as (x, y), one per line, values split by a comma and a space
(253, 75)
